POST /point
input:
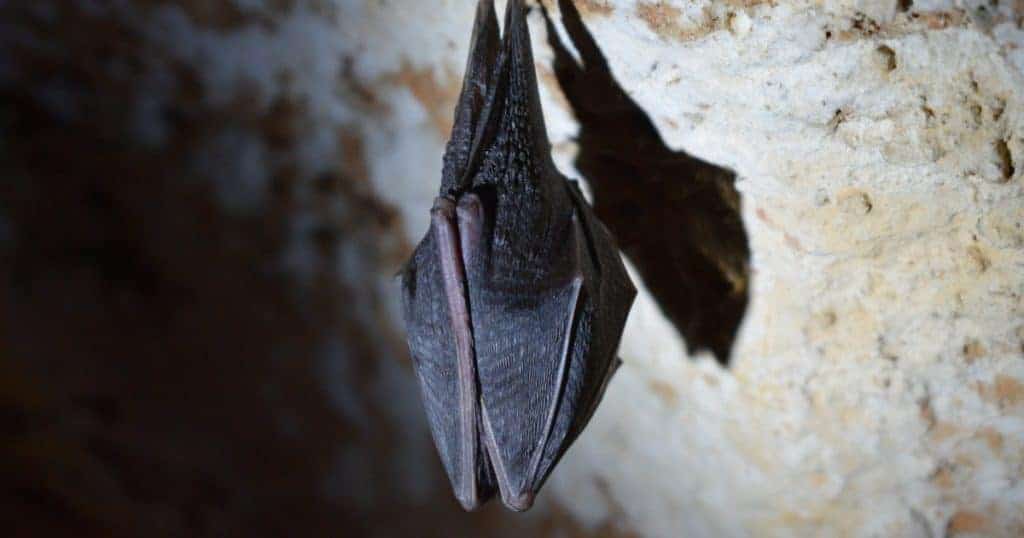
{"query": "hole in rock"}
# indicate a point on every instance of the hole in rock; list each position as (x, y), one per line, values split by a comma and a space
(887, 58)
(676, 217)
(1005, 159)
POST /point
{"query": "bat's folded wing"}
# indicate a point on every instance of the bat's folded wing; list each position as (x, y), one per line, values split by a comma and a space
(432, 344)
(612, 301)
(523, 363)
(544, 357)
(478, 86)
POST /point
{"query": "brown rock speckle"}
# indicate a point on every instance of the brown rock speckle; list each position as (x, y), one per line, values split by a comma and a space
(438, 97)
(966, 521)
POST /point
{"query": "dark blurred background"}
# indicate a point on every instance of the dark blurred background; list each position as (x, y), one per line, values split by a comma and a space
(193, 336)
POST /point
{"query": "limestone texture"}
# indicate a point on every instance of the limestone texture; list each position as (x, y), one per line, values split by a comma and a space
(876, 385)
(205, 203)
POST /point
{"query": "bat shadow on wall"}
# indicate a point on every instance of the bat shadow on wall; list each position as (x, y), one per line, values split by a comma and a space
(676, 217)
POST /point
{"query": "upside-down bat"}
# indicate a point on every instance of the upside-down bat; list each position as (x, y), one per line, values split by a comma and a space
(516, 298)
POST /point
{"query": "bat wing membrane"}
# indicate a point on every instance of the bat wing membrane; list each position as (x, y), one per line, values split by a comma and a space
(612, 295)
(434, 325)
(532, 353)
(522, 361)
(478, 87)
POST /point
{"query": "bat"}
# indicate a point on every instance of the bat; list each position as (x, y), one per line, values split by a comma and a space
(516, 298)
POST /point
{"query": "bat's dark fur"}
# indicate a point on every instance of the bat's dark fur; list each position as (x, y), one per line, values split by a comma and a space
(516, 298)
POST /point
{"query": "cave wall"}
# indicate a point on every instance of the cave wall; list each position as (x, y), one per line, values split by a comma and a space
(876, 383)
(206, 201)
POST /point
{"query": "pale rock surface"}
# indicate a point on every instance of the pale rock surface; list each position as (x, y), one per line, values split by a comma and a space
(877, 384)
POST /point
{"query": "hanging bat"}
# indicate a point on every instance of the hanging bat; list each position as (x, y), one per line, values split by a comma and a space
(516, 298)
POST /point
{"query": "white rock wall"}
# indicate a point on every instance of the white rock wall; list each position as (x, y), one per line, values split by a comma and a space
(877, 385)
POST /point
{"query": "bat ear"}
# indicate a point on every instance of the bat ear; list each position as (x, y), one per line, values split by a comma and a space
(477, 84)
